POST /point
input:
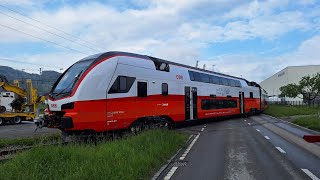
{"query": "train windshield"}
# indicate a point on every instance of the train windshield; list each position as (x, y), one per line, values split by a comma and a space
(70, 78)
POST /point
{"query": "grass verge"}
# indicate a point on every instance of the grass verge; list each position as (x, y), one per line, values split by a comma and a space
(282, 111)
(312, 122)
(136, 157)
(29, 141)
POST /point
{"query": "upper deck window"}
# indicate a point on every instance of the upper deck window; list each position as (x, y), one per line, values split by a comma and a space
(161, 66)
(205, 78)
(208, 78)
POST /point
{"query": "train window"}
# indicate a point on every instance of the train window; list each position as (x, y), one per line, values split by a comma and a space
(208, 104)
(216, 80)
(224, 81)
(121, 85)
(251, 94)
(191, 75)
(228, 82)
(197, 76)
(161, 66)
(142, 89)
(232, 83)
(205, 78)
(164, 88)
(238, 84)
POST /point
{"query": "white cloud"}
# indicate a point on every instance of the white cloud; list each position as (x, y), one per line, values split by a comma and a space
(257, 68)
(174, 30)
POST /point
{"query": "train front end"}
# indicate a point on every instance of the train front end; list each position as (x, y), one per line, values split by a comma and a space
(62, 111)
(77, 100)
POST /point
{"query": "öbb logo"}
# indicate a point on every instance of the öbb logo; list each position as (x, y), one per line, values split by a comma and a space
(179, 77)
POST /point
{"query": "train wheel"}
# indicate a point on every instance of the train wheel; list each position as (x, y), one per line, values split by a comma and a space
(17, 120)
(2, 121)
(137, 127)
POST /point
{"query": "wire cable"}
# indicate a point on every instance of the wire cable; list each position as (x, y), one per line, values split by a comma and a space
(48, 31)
(16, 61)
(43, 39)
(48, 25)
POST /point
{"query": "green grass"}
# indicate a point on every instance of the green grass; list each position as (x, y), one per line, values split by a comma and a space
(312, 122)
(137, 157)
(281, 110)
(29, 141)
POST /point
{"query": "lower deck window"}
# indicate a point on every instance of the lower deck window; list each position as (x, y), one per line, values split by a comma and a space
(207, 104)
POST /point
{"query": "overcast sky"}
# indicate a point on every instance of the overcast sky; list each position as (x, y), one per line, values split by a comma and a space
(250, 38)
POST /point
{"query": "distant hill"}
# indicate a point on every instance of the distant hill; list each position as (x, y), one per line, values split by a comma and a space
(41, 82)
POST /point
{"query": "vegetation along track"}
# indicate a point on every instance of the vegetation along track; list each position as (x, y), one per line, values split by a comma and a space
(6, 153)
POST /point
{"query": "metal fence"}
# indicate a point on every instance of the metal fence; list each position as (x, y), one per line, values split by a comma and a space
(296, 103)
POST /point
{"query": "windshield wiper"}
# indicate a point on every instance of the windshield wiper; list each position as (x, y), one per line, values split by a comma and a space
(74, 80)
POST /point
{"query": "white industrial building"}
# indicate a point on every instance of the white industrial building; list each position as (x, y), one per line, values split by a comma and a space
(290, 74)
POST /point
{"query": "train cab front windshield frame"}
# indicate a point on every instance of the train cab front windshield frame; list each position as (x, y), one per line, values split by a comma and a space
(67, 82)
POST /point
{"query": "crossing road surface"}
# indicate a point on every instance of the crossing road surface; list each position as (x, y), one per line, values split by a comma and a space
(25, 129)
(257, 147)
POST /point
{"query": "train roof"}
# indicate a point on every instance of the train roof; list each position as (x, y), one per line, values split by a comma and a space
(119, 53)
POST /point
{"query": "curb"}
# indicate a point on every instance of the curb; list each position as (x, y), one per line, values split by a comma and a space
(298, 126)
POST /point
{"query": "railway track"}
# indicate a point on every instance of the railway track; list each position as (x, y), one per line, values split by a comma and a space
(6, 154)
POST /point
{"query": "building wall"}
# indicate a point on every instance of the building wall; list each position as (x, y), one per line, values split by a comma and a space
(290, 74)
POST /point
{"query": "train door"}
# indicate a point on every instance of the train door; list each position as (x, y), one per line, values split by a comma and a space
(143, 105)
(241, 100)
(191, 99)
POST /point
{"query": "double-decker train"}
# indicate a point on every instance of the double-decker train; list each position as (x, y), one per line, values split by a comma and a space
(118, 90)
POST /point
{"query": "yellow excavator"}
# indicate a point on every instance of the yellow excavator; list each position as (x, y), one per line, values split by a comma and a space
(24, 103)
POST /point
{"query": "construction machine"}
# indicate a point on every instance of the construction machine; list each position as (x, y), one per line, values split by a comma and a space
(23, 104)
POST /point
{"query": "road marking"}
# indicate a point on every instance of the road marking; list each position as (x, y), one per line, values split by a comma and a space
(170, 173)
(245, 120)
(202, 129)
(258, 130)
(266, 137)
(281, 150)
(190, 146)
(205, 126)
(249, 124)
(312, 176)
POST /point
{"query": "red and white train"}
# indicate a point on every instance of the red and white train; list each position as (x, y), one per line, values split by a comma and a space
(115, 90)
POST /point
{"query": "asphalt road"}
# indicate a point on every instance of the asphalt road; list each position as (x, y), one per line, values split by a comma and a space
(257, 147)
(25, 129)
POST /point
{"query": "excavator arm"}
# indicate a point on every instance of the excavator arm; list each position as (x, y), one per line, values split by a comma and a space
(30, 93)
(8, 87)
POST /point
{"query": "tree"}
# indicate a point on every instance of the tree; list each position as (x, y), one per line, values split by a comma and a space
(308, 87)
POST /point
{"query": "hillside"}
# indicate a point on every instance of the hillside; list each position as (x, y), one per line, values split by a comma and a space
(41, 82)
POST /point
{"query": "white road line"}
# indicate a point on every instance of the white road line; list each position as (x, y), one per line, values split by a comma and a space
(170, 173)
(245, 120)
(202, 129)
(190, 146)
(266, 137)
(312, 176)
(281, 150)
(258, 130)
(249, 124)
(205, 126)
